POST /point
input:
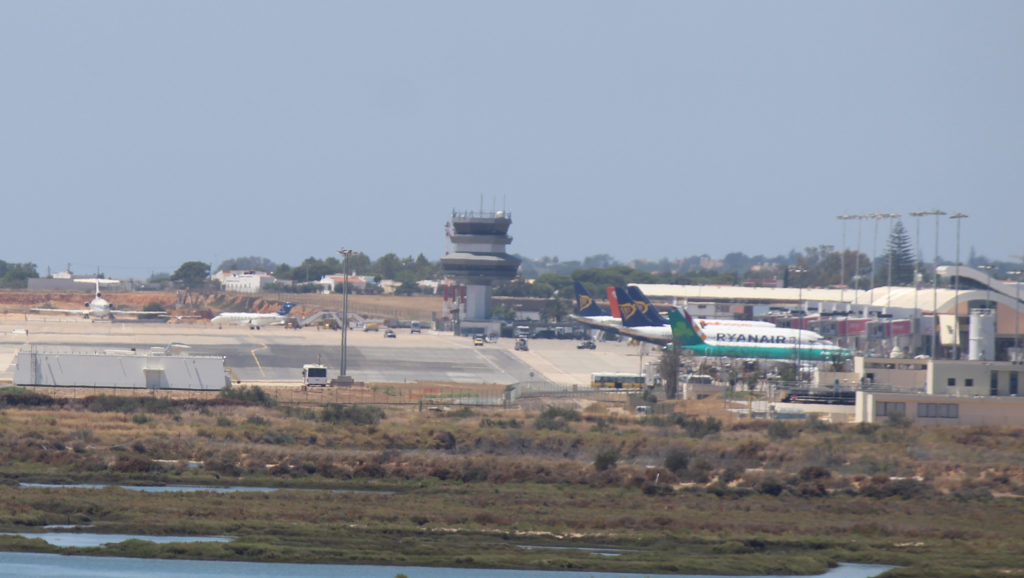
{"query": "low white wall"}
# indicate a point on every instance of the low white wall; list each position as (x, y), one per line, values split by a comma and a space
(127, 369)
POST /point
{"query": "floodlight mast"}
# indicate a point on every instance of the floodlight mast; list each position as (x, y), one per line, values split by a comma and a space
(345, 253)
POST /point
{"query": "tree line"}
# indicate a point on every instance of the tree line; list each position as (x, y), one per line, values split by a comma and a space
(547, 277)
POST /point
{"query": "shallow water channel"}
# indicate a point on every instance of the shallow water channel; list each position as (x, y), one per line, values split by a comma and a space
(35, 565)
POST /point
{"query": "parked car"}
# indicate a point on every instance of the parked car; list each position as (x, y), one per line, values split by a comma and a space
(478, 340)
(588, 344)
(389, 333)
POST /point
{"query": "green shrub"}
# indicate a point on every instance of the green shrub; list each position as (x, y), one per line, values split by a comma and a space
(814, 473)
(461, 412)
(20, 396)
(129, 404)
(780, 430)
(355, 414)
(253, 395)
(606, 460)
(697, 428)
(141, 418)
(276, 438)
(770, 486)
(677, 461)
(556, 419)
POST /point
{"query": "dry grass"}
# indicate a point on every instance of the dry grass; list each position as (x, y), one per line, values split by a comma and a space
(747, 490)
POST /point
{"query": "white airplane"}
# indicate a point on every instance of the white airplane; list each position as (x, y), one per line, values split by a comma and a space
(640, 321)
(256, 320)
(98, 308)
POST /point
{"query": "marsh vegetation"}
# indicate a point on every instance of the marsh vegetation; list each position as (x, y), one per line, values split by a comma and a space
(674, 493)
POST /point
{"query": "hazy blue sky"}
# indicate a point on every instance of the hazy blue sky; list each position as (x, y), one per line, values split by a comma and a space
(135, 136)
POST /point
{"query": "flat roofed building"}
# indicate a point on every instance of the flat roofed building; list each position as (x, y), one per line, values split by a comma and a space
(879, 407)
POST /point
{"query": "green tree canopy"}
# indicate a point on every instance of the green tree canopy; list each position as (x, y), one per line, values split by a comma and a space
(248, 263)
(16, 275)
(192, 274)
(900, 254)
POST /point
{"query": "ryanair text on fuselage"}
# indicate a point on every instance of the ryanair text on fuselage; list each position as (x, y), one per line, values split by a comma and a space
(747, 338)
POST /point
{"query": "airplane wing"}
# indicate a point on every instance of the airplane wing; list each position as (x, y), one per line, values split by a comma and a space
(67, 311)
(127, 312)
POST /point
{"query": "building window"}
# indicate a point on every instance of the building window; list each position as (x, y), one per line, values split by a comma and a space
(890, 408)
(969, 382)
(946, 410)
(951, 382)
(993, 384)
(1014, 376)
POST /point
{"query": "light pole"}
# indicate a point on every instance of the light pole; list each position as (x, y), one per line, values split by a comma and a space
(888, 296)
(917, 269)
(842, 258)
(1016, 315)
(956, 287)
(935, 282)
(874, 252)
(799, 334)
(345, 254)
(988, 283)
(856, 286)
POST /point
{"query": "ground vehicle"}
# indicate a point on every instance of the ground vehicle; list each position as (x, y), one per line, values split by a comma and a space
(414, 327)
(612, 380)
(588, 344)
(314, 375)
(698, 379)
(478, 340)
(389, 333)
(521, 344)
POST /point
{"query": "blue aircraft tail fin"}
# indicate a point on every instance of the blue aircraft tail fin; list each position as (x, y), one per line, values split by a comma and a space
(585, 304)
(645, 306)
(632, 316)
(285, 309)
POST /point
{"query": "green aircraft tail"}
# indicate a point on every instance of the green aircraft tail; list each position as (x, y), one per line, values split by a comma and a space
(683, 332)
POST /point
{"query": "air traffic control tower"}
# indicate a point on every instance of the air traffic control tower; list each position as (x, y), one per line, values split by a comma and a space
(477, 260)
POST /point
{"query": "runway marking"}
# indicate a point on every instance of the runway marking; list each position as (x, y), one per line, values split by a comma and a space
(263, 347)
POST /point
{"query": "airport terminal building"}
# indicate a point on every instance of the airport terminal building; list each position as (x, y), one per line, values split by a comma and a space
(982, 320)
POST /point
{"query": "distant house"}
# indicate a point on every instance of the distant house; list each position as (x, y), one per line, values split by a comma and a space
(243, 281)
(356, 283)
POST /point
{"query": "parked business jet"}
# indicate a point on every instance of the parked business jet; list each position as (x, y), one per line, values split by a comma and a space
(99, 308)
(256, 320)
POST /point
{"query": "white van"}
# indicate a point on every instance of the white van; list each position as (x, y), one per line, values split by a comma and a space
(314, 375)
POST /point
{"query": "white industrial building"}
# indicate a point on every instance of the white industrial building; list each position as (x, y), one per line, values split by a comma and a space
(243, 281)
(158, 368)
